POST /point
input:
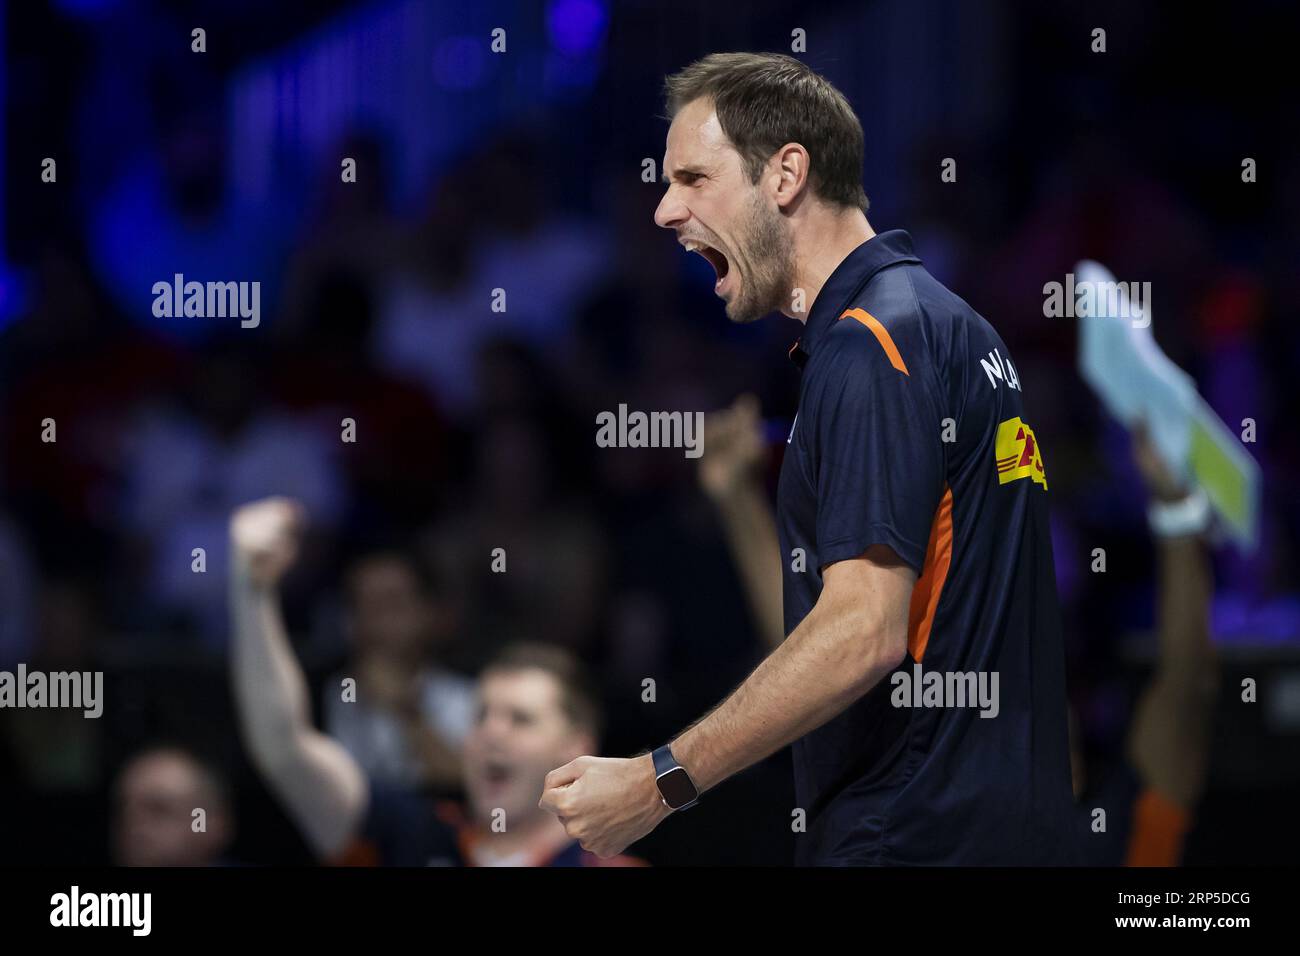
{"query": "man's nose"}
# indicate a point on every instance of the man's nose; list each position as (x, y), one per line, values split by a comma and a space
(496, 727)
(671, 212)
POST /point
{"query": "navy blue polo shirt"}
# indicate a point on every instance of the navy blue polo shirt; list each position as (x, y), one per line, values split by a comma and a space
(912, 432)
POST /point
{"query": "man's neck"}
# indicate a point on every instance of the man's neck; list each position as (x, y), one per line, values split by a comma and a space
(540, 838)
(827, 242)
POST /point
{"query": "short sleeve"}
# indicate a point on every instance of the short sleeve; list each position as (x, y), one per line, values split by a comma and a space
(880, 458)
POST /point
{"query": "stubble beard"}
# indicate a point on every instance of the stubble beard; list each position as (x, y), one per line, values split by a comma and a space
(769, 254)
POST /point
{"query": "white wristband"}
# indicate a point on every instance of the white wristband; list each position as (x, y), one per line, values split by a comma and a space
(1174, 519)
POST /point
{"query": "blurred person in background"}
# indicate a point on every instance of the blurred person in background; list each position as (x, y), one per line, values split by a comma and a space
(552, 546)
(431, 313)
(488, 220)
(59, 749)
(395, 451)
(170, 209)
(72, 358)
(529, 242)
(534, 708)
(410, 716)
(349, 229)
(155, 799)
(1151, 795)
(189, 457)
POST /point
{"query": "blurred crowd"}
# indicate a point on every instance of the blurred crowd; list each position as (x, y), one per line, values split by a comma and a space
(472, 340)
(473, 432)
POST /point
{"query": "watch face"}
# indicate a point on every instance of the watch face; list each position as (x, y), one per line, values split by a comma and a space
(676, 788)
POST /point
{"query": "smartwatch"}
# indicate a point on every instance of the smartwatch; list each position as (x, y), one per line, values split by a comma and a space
(676, 788)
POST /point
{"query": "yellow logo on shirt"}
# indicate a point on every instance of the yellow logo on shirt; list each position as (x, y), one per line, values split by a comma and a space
(1018, 454)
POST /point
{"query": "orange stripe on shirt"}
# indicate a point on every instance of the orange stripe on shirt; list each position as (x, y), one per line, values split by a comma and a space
(1159, 826)
(882, 336)
(928, 587)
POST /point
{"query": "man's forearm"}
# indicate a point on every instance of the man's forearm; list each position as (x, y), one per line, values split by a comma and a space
(752, 538)
(1169, 741)
(829, 661)
(322, 787)
(270, 690)
(1185, 587)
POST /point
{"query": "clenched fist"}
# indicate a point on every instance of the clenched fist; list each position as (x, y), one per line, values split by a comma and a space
(733, 447)
(605, 803)
(264, 538)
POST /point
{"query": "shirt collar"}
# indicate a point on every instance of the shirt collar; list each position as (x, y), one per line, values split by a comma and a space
(882, 249)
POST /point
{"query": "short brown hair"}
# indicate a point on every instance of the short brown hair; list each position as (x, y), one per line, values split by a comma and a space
(578, 697)
(765, 100)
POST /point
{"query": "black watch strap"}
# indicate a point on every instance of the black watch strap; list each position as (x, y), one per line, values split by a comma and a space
(676, 788)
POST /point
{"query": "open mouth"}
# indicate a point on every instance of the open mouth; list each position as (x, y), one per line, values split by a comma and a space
(496, 774)
(721, 266)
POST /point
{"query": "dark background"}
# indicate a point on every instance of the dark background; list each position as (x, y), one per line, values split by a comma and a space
(523, 171)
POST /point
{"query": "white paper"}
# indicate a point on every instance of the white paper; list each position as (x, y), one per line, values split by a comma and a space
(1136, 382)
